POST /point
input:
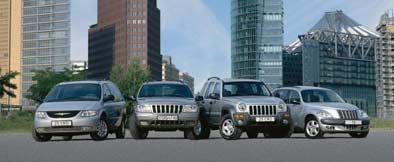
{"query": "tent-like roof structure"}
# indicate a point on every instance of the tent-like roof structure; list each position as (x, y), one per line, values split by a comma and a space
(337, 21)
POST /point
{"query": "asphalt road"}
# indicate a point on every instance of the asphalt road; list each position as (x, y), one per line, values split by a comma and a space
(171, 147)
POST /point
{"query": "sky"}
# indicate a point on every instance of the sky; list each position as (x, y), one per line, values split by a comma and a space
(197, 33)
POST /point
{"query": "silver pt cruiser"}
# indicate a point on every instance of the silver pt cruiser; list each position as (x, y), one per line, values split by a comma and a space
(316, 111)
(78, 108)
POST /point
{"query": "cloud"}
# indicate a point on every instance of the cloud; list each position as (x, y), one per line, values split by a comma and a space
(195, 38)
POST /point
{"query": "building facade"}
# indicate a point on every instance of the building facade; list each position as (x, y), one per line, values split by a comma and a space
(45, 38)
(10, 45)
(339, 54)
(385, 66)
(135, 25)
(257, 40)
(188, 79)
(169, 70)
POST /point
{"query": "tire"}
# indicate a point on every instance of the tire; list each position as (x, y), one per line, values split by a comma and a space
(312, 129)
(200, 131)
(67, 138)
(359, 134)
(228, 130)
(135, 131)
(252, 134)
(102, 133)
(40, 137)
(121, 130)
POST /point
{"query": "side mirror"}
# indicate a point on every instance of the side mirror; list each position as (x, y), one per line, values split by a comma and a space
(132, 98)
(199, 98)
(295, 101)
(214, 96)
(109, 98)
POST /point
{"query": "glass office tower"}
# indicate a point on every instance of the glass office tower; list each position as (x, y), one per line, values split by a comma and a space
(45, 38)
(257, 40)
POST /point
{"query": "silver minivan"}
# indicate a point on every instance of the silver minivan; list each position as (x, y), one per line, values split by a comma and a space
(316, 111)
(96, 108)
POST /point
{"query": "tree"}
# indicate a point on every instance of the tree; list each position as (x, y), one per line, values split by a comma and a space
(6, 86)
(130, 80)
(46, 79)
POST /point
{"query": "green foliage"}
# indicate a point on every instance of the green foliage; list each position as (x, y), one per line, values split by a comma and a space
(6, 87)
(45, 80)
(377, 123)
(130, 80)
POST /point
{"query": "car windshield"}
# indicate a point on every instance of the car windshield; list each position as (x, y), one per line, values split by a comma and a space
(318, 95)
(245, 89)
(74, 92)
(165, 90)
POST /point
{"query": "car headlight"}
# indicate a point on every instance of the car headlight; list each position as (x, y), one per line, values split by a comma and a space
(282, 107)
(41, 115)
(144, 109)
(88, 113)
(190, 108)
(242, 107)
(324, 114)
(363, 114)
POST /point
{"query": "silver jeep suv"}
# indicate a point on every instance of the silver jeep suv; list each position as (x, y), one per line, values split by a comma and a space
(164, 106)
(78, 108)
(236, 106)
(316, 111)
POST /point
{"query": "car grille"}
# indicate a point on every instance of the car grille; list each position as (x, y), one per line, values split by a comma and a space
(62, 114)
(263, 110)
(167, 109)
(348, 114)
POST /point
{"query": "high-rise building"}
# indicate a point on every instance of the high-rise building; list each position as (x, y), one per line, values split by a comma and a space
(45, 39)
(187, 78)
(257, 40)
(10, 42)
(385, 66)
(337, 53)
(169, 70)
(135, 29)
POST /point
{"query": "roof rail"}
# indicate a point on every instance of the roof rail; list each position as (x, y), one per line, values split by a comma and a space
(214, 78)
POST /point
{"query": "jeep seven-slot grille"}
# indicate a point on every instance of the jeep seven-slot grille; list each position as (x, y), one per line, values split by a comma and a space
(348, 114)
(263, 110)
(62, 114)
(167, 109)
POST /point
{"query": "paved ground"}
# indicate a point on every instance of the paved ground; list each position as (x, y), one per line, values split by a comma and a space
(171, 147)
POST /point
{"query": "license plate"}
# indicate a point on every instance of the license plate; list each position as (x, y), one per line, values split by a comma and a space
(167, 117)
(265, 119)
(62, 123)
(352, 122)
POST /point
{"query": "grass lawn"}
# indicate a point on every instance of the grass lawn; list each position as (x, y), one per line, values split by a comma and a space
(18, 122)
(21, 122)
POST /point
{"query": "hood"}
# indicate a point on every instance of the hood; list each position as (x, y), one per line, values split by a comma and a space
(332, 106)
(166, 100)
(254, 100)
(68, 106)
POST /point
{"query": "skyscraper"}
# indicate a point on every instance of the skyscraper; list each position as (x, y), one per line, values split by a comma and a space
(10, 41)
(45, 38)
(169, 70)
(135, 28)
(337, 53)
(385, 66)
(257, 40)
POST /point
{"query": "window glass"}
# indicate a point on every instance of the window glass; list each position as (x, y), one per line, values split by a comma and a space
(294, 96)
(282, 94)
(217, 88)
(245, 89)
(74, 92)
(318, 95)
(209, 89)
(165, 90)
(116, 92)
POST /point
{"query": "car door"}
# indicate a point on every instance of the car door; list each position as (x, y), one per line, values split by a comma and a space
(207, 100)
(119, 103)
(215, 104)
(109, 106)
(296, 109)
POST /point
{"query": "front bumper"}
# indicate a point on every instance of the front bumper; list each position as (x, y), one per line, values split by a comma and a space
(150, 121)
(282, 120)
(79, 125)
(339, 126)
